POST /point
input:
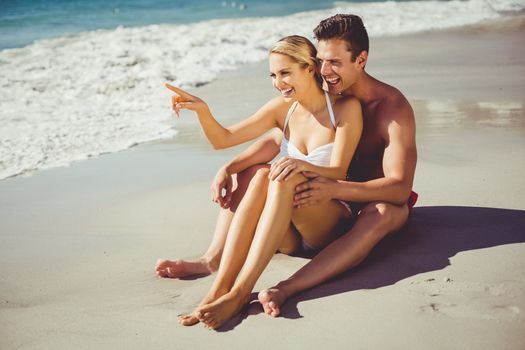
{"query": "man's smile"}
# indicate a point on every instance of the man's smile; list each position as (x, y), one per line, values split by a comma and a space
(332, 80)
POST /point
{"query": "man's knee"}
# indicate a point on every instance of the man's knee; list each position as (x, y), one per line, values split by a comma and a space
(385, 217)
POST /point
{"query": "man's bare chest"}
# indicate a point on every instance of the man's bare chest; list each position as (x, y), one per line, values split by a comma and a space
(371, 145)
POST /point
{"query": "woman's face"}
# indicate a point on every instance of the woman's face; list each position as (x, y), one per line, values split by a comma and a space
(289, 77)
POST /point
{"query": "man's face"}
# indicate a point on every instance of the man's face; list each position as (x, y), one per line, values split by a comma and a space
(336, 66)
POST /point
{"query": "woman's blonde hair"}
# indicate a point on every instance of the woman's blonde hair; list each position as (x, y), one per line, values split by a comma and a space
(299, 49)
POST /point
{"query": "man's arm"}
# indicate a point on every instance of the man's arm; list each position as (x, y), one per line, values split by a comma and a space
(399, 163)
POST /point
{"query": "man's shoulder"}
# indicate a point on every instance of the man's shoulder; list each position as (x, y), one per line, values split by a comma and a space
(347, 107)
(345, 101)
(393, 105)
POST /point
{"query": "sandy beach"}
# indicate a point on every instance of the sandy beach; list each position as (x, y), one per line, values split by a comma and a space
(78, 244)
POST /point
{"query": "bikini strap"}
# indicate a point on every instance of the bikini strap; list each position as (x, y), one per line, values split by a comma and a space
(330, 110)
(289, 114)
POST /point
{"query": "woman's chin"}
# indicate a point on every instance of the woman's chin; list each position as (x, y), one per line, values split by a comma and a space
(289, 97)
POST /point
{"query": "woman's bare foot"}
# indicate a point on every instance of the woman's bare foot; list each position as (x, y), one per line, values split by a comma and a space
(183, 268)
(213, 315)
(271, 300)
(192, 319)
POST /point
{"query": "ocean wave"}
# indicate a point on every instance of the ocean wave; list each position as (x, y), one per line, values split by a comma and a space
(78, 96)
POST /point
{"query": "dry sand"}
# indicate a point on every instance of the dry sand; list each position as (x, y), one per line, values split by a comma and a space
(78, 244)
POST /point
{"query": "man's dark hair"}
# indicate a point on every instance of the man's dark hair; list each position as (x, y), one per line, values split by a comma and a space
(349, 28)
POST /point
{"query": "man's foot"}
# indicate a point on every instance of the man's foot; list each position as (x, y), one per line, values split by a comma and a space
(213, 315)
(271, 300)
(184, 268)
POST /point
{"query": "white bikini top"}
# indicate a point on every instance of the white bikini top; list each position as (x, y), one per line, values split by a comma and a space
(321, 155)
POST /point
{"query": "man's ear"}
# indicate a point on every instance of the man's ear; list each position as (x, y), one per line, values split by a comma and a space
(362, 59)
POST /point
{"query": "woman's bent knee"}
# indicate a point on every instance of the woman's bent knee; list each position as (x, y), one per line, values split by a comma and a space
(289, 184)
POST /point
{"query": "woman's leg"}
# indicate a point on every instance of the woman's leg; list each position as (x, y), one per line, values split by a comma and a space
(209, 262)
(275, 221)
(321, 224)
(238, 240)
(311, 222)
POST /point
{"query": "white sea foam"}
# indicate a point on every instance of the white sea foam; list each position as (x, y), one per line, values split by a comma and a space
(82, 95)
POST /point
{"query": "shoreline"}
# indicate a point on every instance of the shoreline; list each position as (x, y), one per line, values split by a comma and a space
(78, 244)
(412, 81)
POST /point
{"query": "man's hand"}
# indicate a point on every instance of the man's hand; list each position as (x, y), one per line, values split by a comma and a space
(222, 182)
(316, 190)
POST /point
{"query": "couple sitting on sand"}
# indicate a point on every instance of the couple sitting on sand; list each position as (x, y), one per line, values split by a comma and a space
(311, 198)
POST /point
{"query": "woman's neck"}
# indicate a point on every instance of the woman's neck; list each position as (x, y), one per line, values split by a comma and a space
(313, 100)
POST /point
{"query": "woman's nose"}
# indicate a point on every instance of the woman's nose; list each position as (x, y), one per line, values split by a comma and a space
(278, 83)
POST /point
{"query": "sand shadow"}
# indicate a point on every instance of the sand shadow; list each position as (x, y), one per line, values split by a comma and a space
(432, 236)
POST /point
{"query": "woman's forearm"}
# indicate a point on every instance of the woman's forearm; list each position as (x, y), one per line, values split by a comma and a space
(216, 134)
(260, 152)
(335, 173)
(220, 137)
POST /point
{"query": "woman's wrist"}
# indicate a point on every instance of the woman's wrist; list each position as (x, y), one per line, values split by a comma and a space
(227, 169)
(203, 111)
(307, 166)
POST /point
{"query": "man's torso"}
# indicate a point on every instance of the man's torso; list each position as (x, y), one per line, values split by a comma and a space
(368, 158)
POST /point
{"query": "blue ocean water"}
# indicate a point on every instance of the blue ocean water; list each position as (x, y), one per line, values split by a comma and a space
(23, 21)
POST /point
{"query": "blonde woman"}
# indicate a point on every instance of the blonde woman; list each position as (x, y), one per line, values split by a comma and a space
(320, 134)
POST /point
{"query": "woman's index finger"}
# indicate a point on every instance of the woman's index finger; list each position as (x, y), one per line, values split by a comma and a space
(177, 90)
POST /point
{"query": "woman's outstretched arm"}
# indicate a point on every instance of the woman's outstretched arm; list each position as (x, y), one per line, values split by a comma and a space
(266, 118)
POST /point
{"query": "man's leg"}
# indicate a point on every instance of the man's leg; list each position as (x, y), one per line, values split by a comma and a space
(375, 221)
(209, 261)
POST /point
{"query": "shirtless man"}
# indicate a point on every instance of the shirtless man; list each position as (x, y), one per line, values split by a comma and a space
(380, 176)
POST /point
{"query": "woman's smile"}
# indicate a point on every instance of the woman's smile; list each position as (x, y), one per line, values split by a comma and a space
(287, 92)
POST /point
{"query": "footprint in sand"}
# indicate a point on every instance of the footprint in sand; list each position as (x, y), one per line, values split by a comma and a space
(474, 311)
(469, 300)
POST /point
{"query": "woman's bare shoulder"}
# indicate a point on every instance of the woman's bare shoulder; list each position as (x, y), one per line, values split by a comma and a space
(277, 107)
(278, 104)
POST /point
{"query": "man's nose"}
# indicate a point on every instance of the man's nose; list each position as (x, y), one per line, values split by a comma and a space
(324, 69)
